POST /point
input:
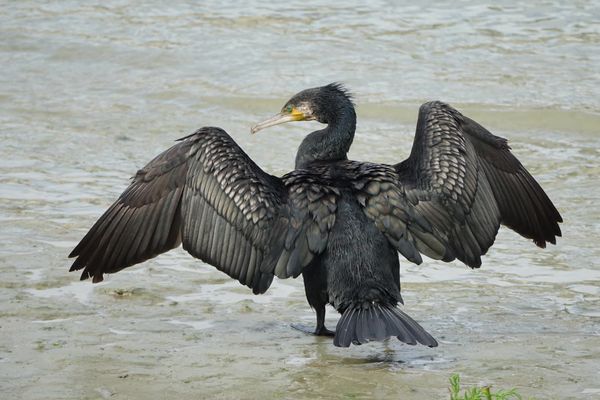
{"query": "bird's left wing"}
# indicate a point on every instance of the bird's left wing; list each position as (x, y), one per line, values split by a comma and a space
(205, 192)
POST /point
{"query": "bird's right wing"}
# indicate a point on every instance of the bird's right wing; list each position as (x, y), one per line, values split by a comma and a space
(204, 192)
(465, 182)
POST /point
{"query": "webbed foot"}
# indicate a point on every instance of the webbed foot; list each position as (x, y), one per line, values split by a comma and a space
(322, 331)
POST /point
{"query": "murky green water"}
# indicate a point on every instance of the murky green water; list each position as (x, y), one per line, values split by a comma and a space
(89, 94)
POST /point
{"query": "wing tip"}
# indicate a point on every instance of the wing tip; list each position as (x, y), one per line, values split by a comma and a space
(263, 284)
(87, 274)
(77, 264)
(84, 275)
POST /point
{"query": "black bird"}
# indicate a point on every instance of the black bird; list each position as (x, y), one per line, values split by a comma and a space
(339, 223)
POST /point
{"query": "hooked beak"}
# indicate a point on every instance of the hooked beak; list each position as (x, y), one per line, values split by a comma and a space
(280, 118)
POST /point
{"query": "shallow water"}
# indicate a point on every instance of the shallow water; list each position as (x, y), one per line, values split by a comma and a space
(91, 93)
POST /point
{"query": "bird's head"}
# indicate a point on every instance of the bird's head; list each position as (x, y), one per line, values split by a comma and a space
(323, 104)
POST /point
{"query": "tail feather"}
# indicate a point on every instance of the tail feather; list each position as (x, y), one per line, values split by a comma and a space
(377, 324)
(360, 324)
(399, 328)
(345, 329)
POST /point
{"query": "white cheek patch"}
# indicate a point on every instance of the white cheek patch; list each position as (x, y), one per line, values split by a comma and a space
(305, 109)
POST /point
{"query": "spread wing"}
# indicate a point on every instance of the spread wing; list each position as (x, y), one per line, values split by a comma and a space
(465, 182)
(144, 221)
(207, 194)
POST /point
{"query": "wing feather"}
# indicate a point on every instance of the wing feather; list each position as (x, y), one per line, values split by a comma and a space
(206, 193)
(180, 195)
(466, 182)
(302, 229)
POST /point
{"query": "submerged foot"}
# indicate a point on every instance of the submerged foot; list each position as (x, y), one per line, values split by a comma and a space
(317, 332)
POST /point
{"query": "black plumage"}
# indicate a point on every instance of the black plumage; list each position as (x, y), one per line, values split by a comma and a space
(339, 223)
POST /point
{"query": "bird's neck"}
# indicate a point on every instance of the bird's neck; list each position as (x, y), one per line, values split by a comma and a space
(329, 144)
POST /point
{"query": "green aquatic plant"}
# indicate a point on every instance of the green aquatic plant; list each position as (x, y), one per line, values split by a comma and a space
(480, 393)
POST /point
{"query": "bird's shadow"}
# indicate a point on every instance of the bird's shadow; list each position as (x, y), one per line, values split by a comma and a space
(389, 354)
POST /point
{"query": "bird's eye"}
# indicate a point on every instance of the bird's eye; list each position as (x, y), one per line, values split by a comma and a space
(288, 109)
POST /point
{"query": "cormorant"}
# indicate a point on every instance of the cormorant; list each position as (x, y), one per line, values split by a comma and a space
(339, 223)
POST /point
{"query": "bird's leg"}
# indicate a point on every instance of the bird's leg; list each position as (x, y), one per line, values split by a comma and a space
(320, 330)
(315, 286)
